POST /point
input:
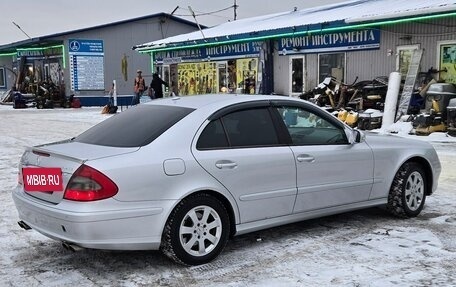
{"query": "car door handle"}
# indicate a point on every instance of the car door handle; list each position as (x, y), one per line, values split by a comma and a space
(225, 164)
(305, 158)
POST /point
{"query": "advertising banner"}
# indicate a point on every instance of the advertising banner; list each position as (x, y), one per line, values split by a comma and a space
(86, 64)
(227, 51)
(326, 42)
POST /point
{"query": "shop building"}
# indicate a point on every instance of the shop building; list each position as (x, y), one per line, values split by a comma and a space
(85, 62)
(232, 68)
(291, 52)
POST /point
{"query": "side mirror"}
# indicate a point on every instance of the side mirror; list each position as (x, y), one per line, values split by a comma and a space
(360, 136)
(355, 136)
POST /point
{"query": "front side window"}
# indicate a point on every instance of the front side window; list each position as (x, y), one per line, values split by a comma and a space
(308, 128)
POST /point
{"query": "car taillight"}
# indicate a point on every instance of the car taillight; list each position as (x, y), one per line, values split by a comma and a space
(88, 184)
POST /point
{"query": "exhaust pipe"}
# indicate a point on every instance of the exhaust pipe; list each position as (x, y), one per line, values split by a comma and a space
(71, 247)
(24, 225)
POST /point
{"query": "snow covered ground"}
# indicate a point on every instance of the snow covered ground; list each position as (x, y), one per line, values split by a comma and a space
(363, 248)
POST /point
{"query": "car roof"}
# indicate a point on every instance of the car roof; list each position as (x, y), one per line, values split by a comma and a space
(199, 101)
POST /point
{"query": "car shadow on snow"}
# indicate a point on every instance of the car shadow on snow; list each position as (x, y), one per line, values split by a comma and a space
(242, 251)
(321, 226)
(100, 266)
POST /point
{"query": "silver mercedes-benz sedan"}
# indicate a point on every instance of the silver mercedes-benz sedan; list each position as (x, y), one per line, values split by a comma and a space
(183, 174)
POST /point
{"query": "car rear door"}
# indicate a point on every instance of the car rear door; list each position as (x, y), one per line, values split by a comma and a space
(330, 171)
(241, 149)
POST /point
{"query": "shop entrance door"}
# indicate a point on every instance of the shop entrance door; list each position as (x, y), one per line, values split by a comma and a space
(222, 72)
(296, 86)
(173, 80)
(167, 78)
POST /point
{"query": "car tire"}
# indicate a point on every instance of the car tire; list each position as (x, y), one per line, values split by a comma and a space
(196, 231)
(408, 191)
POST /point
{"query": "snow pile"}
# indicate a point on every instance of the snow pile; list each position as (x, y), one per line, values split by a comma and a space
(400, 128)
(405, 129)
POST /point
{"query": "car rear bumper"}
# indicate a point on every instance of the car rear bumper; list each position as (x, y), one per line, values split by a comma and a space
(104, 224)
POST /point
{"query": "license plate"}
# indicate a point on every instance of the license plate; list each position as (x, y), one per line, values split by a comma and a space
(42, 179)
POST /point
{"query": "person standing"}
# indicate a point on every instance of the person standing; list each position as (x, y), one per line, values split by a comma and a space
(156, 85)
(139, 87)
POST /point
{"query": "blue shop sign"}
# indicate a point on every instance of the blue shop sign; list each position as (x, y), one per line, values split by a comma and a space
(86, 64)
(336, 41)
(226, 51)
(85, 46)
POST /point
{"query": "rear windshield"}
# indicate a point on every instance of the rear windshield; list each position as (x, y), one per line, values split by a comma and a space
(134, 127)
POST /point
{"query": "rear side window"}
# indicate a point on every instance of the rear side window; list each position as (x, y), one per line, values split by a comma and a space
(244, 128)
(251, 127)
(212, 137)
(134, 127)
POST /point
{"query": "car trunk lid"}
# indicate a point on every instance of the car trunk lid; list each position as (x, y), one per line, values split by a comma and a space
(67, 157)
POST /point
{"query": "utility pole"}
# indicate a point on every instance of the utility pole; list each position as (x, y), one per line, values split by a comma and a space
(235, 8)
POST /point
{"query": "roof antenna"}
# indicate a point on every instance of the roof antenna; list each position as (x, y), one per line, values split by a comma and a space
(22, 30)
(167, 17)
(194, 17)
(174, 11)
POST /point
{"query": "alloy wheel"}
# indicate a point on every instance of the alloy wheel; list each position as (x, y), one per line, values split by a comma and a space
(200, 230)
(414, 190)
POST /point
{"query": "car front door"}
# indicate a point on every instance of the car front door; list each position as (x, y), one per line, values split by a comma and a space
(241, 150)
(330, 171)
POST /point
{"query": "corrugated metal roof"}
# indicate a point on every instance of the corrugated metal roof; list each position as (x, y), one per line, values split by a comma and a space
(43, 40)
(354, 11)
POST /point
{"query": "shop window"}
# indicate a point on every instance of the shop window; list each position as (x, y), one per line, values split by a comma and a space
(2, 78)
(47, 75)
(404, 56)
(331, 65)
(447, 62)
(232, 76)
(197, 78)
(54, 72)
(28, 84)
(246, 70)
(297, 75)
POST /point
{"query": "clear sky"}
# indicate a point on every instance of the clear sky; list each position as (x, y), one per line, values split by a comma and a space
(43, 17)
